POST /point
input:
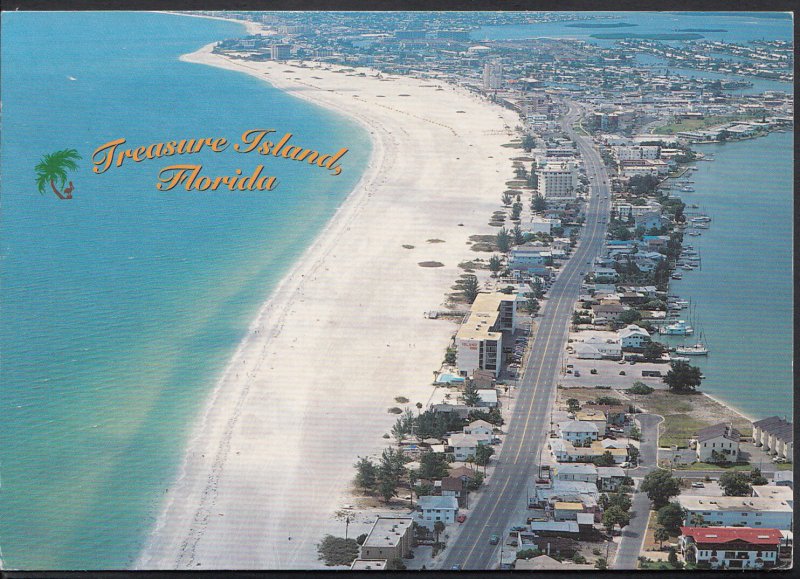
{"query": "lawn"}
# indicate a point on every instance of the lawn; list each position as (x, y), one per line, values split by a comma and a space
(685, 414)
(694, 125)
(745, 466)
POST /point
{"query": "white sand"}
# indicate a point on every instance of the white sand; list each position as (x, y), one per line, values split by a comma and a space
(343, 334)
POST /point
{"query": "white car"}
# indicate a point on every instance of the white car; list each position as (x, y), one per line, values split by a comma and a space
(625, 465)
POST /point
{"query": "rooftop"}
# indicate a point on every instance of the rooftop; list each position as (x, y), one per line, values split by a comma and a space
(368, 565)
(429, 502)
(744, 504)
(718, 430)
(482, 317)
(728, 534)
(387, 531)
(577, 426)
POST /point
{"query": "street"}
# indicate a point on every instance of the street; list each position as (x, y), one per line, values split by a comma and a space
(506, 495)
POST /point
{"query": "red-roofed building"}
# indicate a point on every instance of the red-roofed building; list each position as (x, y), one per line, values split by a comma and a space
(731, 547)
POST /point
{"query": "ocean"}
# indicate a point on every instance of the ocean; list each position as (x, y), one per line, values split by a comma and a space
(742, 296)
(121, 306)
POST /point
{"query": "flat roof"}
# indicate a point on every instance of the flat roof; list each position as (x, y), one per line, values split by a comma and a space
(704, 503)
(482, 316)
(368, 565)
(564, 506)
(387, 531)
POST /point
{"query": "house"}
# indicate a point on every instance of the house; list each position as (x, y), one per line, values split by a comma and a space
(605, 274)
(390, 538)
(563, 451)
(615, 414)
(595, 416)
(577, 432)
(567, 511)
(552, 528)
(479, 427)
(763, 512)
(464, 445)
(608, 311)
(455, 487)
(462, 472)
(462, 410)
(649, 220)
(718, 443)
(479, 340)
(775, 435)
(731, 547)
(610, 478)
(633, 337)
(482, 379)
(598, 449)
(435, 509)
(487, 398)
(576, 472)
(608, 348)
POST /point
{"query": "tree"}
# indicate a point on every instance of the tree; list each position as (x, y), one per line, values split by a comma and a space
(495, 264)
(633, 453)
(470, 288)
(337, 550)
(723, 136)
(53, 167)
(516, 210)
(503, 240)
(601, 564)
(438, 527)
(419, 407)
(635, 433)
(538, 204)
(697, 520)
(736, 484)
(508, 198)
(640, 388)
(614, 515)
(475, 482)
(672, 558)
(629, 316)
(661, 535)
(519, 238)
(482, 454)
(528, 143)
(671, 516)
(683, 377)
(654, 351)
(533, 306)
(756, 478)
(573, 405)
(470, 396)
(660, 486)
(605, 459)
(433, 466)
(361, 538)
(366, 475)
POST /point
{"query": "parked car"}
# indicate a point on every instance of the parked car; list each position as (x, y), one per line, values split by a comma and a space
(494, 540)
(625, 464)
(461, 518)
(577, 373)
(517, 529)
(698, 485)
(455, 568)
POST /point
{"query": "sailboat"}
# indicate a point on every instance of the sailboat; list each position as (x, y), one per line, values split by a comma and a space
(697, 349)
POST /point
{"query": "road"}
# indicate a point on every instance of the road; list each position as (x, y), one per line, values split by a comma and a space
(633, 535)
(506, 496)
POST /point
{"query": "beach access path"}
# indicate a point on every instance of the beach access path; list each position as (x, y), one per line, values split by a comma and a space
(307, 392)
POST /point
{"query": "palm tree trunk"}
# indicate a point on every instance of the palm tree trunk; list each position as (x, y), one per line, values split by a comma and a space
(56, 191)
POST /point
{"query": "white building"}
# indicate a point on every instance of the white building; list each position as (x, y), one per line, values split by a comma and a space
(479, 341)
(492, 75)
(577, 432)
(543, 224)
(766, 512)
(479, 428)
(633, 336)
(558, 181)
(576, 472)
(465, 445)
(775, 435)
(434, 509)
(718, 443)
(731, 548)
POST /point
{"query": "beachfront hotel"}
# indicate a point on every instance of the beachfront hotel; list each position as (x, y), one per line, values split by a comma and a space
(479, 340)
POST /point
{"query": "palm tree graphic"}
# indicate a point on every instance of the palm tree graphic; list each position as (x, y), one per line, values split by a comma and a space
(53, 168)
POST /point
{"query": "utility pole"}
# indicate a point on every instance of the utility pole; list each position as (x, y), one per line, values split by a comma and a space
(346, 526)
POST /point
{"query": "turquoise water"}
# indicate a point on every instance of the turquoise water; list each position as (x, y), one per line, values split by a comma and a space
(742, 297)
(121, 306)
(740, 28)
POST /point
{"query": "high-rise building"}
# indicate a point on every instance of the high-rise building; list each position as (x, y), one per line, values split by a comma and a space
(558, 181)
(281, 51)
(492, 75)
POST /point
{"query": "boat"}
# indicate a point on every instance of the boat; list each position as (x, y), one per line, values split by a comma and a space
(676, 276)
(701, 219)
(694, 206)
(678, 359)
(694, 233)
(687, 189)
(693, 350)
(679, 328)
(687, 267)
(700, 225)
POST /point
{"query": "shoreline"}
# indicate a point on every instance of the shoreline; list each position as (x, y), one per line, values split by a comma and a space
(250, 27)
(219, 492)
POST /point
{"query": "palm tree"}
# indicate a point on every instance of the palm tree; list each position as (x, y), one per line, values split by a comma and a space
(661, 535)
(438, 527)
(54, 167)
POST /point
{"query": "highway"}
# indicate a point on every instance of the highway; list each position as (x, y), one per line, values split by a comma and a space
(506, 495)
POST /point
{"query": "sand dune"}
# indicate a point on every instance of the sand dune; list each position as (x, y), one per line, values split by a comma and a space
(306, 392)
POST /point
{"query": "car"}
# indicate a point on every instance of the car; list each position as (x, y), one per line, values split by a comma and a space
(494, 540)
(519, 528)
(461, 518)
(455, 568)
(625, 464)
(577, 373)
(698, 485)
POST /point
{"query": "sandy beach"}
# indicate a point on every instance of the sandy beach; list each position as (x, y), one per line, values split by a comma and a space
(344, 333)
